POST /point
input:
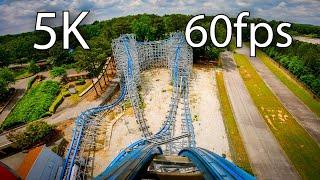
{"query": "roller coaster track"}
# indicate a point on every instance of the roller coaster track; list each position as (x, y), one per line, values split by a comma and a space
(139, 155)
(133, 161)
(84, 120)
(132, 88)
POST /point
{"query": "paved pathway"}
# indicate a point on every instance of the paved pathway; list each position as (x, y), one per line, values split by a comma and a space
(20, 87)
(307, 39)
(309, 120)
(266, 156)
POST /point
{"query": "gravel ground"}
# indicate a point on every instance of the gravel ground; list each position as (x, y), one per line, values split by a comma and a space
(124, 132)
(156, 93)
(208, 125)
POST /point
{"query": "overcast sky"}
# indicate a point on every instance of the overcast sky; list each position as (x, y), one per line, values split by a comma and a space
(20, 15)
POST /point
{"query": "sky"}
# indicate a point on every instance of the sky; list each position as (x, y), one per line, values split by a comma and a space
(18, 16)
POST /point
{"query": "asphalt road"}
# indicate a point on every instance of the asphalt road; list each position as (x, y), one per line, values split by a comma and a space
(266, 156)
(309, 120)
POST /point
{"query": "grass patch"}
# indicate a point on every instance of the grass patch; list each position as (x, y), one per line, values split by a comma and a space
(58, 100)
(296, 88)
(33, 105)
(238, 151)
(80, 88)
(299, 146)
(24, 73)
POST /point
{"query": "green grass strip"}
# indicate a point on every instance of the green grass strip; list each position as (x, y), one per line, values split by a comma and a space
(238, 151)
(291, 83)
(33, 105)
(298, 145)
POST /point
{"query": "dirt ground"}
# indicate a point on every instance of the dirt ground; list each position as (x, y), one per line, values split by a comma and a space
(307, 39)
(205, 108)
(125, 131)
(156, 93)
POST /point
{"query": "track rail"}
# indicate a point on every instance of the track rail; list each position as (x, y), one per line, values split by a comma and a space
(81, 126)
(128, 68)
(214, 166)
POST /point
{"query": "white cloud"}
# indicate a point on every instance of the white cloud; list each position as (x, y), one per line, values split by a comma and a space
(20, 16)
(287, 12)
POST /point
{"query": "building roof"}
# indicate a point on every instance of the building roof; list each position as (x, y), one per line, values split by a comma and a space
(28, 162)
(41, 163)
(7, 173)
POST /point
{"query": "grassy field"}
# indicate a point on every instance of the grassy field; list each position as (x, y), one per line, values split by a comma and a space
(33, 105)
(300, 148)
(238, 151)
(297, 89)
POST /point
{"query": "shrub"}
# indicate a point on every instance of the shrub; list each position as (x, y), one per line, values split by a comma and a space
(34, 133)
(80, 82)
(61, 147)
(33, 67)
(30, 82)
(33, 105)
(315, 85)
(56, 103)
(214, 52)
(58, 71)
(307, 79)
(6, 77)
(296, 66)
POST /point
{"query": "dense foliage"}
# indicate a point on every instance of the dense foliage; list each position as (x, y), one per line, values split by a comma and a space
(301, 59)
(33, 67)
(34, 104)
(58, 71)
(310, 30)
(19, 48)
(99, 35)
(6, 78)
(34, 133)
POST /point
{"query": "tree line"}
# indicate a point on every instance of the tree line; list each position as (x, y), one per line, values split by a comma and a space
(302, 59)
(147, 27)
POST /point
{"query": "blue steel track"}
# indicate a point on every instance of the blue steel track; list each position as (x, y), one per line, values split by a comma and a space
(134, 159)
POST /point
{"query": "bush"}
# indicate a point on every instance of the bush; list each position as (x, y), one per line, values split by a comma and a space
(58, 71)
(56, 103)
(33, 67)
(315, 85)
(307, 79)
(6, 77)
(34, 133)
(33, 105)
(80, 82)
(30, 82)
(214, 52)
(296, 66)
(61, 147)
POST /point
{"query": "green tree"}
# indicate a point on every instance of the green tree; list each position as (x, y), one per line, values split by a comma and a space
(60, 56)
(6, 78)
(34, 133)
(4, 56)
(58, 71)
(143, 28)
(33, 67)
(92, 60)
(214, 52)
